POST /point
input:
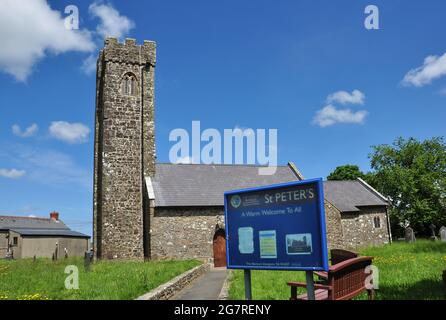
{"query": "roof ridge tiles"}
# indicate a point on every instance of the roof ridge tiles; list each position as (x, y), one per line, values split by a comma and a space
(218, 164)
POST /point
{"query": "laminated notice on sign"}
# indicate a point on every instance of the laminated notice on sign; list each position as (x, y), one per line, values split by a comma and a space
(246, 240)
(268, 247)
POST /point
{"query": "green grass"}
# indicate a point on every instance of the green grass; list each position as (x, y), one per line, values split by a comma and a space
(44, 279)
(406, 271)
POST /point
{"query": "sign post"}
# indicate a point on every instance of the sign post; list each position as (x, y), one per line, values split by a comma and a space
(277, 227)
(248, 292)
(310, 285)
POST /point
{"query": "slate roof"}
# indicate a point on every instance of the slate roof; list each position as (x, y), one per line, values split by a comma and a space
(349, 196)
(50, 232)
(37, 226)
(10, 222)
(183, 185)
(204, 185)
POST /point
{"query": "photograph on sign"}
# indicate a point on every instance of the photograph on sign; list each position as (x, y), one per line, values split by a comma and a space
(277, 227)
(299, 243)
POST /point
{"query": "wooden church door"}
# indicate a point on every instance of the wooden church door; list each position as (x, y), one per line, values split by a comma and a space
(219, 247)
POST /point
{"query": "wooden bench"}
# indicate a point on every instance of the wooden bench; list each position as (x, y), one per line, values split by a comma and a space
(340, 255)
(345, 281)
(336, 256)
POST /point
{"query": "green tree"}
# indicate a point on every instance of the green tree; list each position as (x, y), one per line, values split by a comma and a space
(413, 175)
(346, 172)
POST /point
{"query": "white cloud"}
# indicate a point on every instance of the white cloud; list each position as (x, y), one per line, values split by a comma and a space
(29, 31)
(47, 167)
(330, 115)
(53, 167)
(344, 97)
(433, 68)
(89, 65)
(69, 132)
(28, 132)
(111, 24)
(12, 173)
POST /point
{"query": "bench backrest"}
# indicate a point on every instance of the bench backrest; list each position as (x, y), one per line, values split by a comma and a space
(339, 255)
(348, 278)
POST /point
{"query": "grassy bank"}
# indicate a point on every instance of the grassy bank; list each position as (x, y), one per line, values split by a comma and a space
(45, 279)
(406, 271)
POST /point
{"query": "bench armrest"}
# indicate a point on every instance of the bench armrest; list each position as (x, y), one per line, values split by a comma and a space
(347, 263)
(295, 285)
(304, 285)
(321, 274)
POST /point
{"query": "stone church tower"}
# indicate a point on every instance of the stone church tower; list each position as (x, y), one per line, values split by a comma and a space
(124, 148)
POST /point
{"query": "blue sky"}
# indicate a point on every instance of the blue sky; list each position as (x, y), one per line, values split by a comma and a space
(229, 64)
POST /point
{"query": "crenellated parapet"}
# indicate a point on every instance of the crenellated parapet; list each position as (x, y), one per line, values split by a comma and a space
(129, 52)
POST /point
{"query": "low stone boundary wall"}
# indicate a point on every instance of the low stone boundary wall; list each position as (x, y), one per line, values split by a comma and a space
(224, 293)
(172, 287)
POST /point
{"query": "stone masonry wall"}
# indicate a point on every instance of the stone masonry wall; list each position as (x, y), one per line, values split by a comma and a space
(335, 238)
(185, 233)
(123, 122)
(172, 287)
(359, 230)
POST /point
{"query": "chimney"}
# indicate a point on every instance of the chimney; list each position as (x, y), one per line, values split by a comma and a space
(54, 216)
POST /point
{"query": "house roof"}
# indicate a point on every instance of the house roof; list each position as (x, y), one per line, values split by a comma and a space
(10, 222)
(37, 226)
(204, 185)
(50, 232)
(183, 185)
(349, 196)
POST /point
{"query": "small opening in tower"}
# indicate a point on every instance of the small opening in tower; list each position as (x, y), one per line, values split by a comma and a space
(129, 85)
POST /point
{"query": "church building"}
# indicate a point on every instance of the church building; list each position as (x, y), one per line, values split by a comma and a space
(144, 209)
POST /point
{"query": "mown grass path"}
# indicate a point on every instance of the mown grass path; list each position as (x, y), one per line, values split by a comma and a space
(406, 271)
(44, 279)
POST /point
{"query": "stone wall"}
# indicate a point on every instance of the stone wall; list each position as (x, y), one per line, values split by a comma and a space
(124, 147)
(184, 233)
(359, 229)
(187, 233)
(335, 238)
(172, 287)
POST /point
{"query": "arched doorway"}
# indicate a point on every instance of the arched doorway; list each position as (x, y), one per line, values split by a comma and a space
(219, 247)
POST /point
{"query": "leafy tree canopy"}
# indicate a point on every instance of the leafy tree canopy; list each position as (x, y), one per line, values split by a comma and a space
(346, 172)
(413, 174)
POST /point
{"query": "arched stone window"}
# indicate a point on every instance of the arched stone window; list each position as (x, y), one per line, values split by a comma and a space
(129, 85)
(377, 222)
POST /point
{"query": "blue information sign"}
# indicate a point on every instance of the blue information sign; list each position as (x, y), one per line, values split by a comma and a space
(277, 227)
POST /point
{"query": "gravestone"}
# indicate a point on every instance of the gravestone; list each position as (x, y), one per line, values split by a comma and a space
(9, 254)
(409, 235)
(443, 234)
(88, 259)
(433, 237)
